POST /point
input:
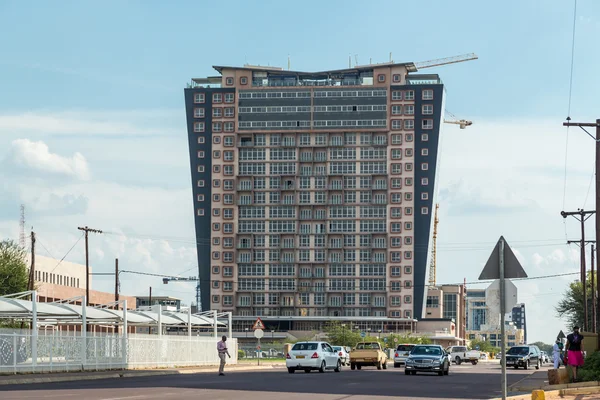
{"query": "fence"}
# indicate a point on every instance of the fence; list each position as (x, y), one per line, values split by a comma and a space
(59, 352)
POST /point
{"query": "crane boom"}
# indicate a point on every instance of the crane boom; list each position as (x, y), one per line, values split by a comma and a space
(188, 279)
(445, 61)
(432, 264)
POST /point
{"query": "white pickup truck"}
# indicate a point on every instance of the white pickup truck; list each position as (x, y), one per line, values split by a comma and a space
(460, 354)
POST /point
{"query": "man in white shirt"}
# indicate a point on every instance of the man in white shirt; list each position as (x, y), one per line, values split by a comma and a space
(222, 349)
(556, 354)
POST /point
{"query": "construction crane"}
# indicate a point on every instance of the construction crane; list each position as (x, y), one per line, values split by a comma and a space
(432, 264)
(188, 279)
(463, 123)
(445, 61)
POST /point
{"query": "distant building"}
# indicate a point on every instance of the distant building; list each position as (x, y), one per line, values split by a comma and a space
(518, 318)
(444, 320)
(168, 303)
(476, 309)
(56, 280)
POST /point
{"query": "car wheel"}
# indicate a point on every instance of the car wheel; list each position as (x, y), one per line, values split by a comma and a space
(384, 365)
(379, 365)
(358, 366)
(291, 370)
(440, 373)
(474, 362)
(458, 361)
(516, 367)
(447, 371)
(413, 372)
(352, 366)
(406, 372)
(526, 365)
(396, 365)
(537, 366)
(323, 366)
(339, 366)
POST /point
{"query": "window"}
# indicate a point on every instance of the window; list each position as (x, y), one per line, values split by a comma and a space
(408, 240)
(201, 183)
(396, 286)
(216, 298)
(396, 227)
(396, 124)
(424, 166)
(228, 140)
(200, 212)
(409, 95)
(397, 110)
(198, 112)
(216, 212)
(409, 137)
(396, 212)
(217, 139)
(381, 78)
(200, 197)
(200, 168)
(217, 127)
(228, 126)
(229, 81)
(409, 152)
(408, 210)
(428, 94)
(201, 140)
(427, 109)
(198, 98)
(424, 196)
(408, 167)
(229, 98)
(229, 113)
(396, 154)
(396, 241)
(216, 255)
(243, 80)
(216, 154)
(427, 124)
(228, 170)
(198, 127)
(409, 109)
(217, 98)
(407, 299)
(228, 213)
(228, 155)
(424, 152)
(424, 210)
(396, 95)
(409, 124)
(397, 77)
(424, 137)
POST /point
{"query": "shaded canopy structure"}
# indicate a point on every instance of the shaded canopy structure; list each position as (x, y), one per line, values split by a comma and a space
(68, 312)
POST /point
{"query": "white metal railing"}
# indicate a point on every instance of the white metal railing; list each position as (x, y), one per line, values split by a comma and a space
(61, 351)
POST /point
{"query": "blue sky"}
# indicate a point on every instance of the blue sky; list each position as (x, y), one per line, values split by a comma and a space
(92, 122)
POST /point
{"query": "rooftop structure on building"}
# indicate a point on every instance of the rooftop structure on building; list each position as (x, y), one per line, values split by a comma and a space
(168, 303)
(316, 188)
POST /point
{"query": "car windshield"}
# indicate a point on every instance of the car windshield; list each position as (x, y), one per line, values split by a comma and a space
(426, 351)
(405, 347)
(305, 346)
(367, 346)
(337, 348)
(518, 351)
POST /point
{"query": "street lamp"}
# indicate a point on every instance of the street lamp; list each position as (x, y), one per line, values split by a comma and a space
(246, 333)
(344, 334)
(272, 333)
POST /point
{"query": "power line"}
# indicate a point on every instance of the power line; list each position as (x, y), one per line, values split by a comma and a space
(62, 259)
(47, 251)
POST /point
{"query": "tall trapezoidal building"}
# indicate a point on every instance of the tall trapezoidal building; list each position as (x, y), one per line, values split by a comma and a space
(313, 192)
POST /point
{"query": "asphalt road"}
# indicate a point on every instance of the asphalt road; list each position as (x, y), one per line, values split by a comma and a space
(464, 382)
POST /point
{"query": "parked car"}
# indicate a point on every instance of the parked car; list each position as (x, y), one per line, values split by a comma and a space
(401, 354)
(523, 356)
(544, 357)
(460, 354)
(368, 354)
(310, 356)
(427, 358)
(344, 353)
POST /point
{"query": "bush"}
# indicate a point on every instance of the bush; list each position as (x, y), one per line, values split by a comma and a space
(241, 354)
(591, 368)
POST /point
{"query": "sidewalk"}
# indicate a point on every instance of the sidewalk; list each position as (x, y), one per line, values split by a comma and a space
(539, 381)
(20, 379)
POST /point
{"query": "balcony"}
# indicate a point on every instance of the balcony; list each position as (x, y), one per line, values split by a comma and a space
(380, 186)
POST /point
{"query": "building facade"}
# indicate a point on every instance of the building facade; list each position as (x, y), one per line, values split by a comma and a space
(313, 192)
(446, 305)
(519, 319)
(476, 309)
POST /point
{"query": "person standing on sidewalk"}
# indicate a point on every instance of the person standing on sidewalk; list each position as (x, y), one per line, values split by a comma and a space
(556, 354)
(222, 349)
(574, 351)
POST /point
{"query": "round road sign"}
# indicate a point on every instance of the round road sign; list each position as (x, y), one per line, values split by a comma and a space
(362, 334)
(395, 340)
(259, 333)
(257, 347)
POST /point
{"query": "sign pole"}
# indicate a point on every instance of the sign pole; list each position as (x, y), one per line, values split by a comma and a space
(259, 352)
(502, 312)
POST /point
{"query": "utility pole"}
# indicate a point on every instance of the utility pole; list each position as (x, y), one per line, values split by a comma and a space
(596, 138)
(31, 283)
(150, 298)
(592, 262)
(117, 282)
(582, 216)
(87, 262)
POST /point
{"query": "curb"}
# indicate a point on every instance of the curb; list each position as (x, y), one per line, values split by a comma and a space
(124, 374)
(573, 391)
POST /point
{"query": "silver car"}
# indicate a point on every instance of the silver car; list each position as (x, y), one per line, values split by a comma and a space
(427, 358)
(401, 354)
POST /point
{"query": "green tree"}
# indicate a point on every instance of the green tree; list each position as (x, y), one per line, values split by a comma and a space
(544, 347)
(340, 334)
(484, 346)
(407, 339)
(570, 307)
(14, 274)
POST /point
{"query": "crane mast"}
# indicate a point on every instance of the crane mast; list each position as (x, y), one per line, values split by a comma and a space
(432, 264)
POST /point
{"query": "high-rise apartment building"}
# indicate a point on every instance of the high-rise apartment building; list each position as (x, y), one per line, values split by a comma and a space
(518, 318)
(313, 192)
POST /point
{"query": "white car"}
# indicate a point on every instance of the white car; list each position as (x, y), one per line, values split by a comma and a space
(344, 353)
(310, 356)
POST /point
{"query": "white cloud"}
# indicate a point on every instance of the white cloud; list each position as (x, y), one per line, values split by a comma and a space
(36, 157)
(85, 123)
